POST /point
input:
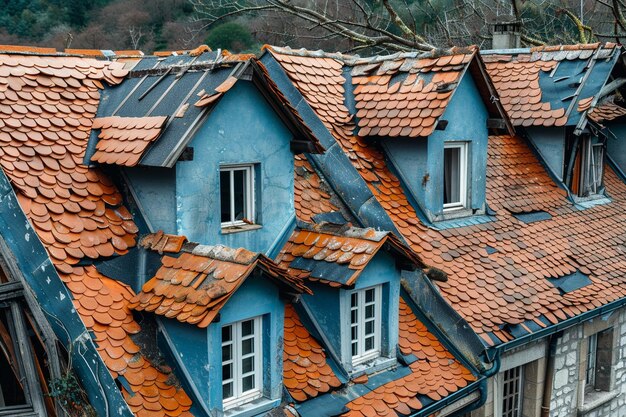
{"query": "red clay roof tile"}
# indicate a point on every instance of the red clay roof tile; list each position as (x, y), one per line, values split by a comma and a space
(193, 287)
(123, 140)
(508, 287)
(312, 196)
(103, 305)
(306, 373)
(435, 374)
(353, 248)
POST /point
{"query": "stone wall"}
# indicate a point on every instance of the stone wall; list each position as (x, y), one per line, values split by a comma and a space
(568, 388)
(568, 396)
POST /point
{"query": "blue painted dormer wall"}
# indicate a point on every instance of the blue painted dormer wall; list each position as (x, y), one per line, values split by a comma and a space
(550, 143)
(185, 200)
(242, 128)
(419, 161)
(329, 308)
(198, 350)
(616, 146)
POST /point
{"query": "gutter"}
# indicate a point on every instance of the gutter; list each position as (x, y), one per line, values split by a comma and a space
(566, 324)
(480, 385)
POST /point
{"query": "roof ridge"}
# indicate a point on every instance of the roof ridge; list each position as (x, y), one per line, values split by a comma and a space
(358, 60)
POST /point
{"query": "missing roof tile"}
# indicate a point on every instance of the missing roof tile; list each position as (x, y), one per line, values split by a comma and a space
(533, 216)
(571, 282)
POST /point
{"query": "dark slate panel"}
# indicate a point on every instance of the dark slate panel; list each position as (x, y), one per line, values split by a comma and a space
(571, 282)
(330, 271)
(134, 269)
(559, 86)
(532, 217)
(594, 83)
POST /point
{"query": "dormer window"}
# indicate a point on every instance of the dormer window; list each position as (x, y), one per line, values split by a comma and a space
(591, 168)
(365, 324)
(237, 195)
(454, 175)
(241, 362)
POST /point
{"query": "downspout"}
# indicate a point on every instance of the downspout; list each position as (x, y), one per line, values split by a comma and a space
(549, 375)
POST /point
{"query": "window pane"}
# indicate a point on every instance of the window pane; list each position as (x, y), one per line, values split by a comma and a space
(247, 347)
(11, 389)
(240, 194)
(354, 316)
(369, 327)
(369, 343)
(227, 390)
(227, 371)
(225, 195)
(247, 383)
(354, 332)
(247, 328)
(227, 353)
(369, 311)
(452, 175)
(355, 349)
(227, 334)
(369, 295)
(247, 365)
(354, 300)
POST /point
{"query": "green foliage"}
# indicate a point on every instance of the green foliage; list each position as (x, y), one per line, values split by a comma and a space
(231, 36)
(33, 19)
(70, 396)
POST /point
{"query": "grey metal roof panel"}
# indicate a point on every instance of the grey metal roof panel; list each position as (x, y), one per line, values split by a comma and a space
(163, 95)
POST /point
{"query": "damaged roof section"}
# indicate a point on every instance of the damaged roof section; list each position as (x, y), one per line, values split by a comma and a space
(193, 286)
(123, 140)
(183, 88)
(545, 86)
(337, 256)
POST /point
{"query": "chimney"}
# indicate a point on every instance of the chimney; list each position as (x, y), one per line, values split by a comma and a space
(506, 33)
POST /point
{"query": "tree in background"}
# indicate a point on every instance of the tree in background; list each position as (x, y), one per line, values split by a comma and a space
(400, 25)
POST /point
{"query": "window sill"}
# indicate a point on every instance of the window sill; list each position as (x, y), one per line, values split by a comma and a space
(242, 228)
(595, 399)
(252, 408)
(374, 365)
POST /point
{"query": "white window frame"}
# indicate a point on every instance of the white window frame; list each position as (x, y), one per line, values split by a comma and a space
(241, 397)
(590, 371)
(592, 170)
(463, 155)
(501, 381)
(249, 197)
(362, 354)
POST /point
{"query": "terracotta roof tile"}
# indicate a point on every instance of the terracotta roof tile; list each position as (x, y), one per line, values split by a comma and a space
(47, 107)
(123, 140)
(606, 111)
(193, 287)
(497, 271)
(307, 253)
(306, 373)
(161, 242)
(405, 96)
(103, 305)
(312, 196)
(516, 77)
(435, 374)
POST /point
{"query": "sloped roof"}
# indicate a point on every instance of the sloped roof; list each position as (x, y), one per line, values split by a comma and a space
(338, 257)
(312, 195)
(400, 95)
(185, 88)
(434, 375)
(123, 140)
(193, 287)
(48, 104)
(542, 86)
(405, 96)
(498, 271)
(104, 306)
(306, 372)
(606, 112)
